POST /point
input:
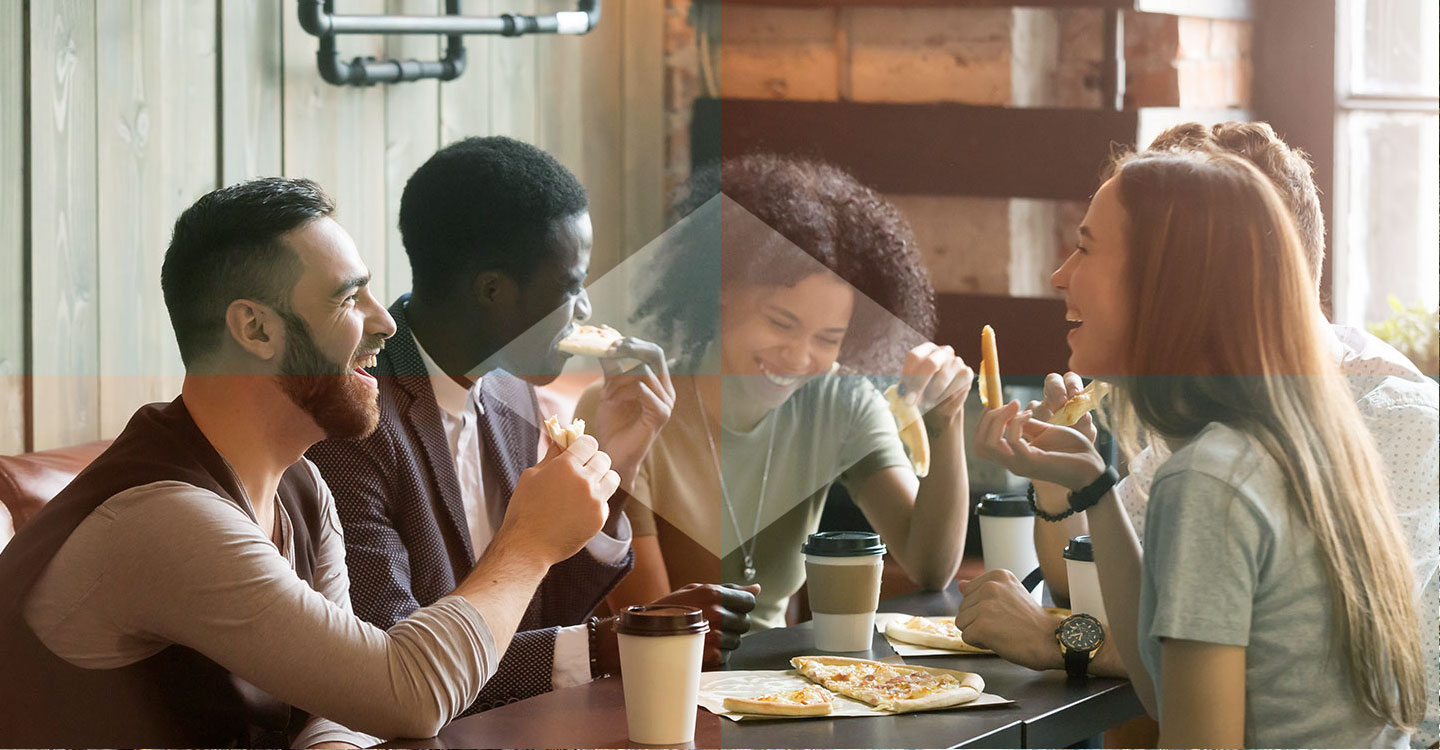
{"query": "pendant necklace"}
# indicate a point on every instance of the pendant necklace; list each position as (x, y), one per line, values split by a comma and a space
(748, 552)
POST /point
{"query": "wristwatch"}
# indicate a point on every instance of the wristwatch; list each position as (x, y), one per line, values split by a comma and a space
(1080, 636)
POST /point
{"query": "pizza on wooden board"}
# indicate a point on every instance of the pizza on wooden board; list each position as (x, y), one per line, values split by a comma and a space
(891, 687)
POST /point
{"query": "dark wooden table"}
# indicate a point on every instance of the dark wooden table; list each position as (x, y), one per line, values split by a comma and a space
(589, 715)
(1050, 710)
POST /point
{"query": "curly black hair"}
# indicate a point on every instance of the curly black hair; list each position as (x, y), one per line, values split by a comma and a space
(481, 204)
(839, 223)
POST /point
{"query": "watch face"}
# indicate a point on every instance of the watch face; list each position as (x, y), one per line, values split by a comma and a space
(1081, 633)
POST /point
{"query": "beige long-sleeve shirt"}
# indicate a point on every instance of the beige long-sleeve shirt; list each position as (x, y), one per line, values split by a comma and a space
(170, 563)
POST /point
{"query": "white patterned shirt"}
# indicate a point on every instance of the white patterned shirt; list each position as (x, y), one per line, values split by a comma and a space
(1401, 407)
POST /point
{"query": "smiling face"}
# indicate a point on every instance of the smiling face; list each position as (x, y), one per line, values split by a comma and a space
(781, 336)
(335, 328)
(1093, 282)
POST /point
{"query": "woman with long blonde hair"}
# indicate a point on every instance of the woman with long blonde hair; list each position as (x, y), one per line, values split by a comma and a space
(1274, 596)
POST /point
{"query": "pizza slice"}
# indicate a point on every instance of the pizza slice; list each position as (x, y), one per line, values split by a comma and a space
(935, 632)
(912, 430)
(564, 436)
(898, 688)
(590, 341)
(807, 701)
(1085, 401)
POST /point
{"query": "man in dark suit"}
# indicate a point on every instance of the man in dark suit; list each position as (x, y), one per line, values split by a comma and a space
(498, 234)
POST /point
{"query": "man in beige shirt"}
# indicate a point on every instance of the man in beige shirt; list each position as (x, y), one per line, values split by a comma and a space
(190, 587)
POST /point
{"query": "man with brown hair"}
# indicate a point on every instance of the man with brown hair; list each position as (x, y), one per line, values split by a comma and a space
(1398, 403)
(189, 588)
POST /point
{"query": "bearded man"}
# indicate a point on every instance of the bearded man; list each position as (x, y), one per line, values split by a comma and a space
(189, 588)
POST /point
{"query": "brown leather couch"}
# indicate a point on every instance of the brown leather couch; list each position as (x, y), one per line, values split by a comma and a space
(30, 480)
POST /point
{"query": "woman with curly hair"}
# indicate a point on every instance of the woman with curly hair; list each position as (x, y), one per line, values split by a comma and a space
(815, 284)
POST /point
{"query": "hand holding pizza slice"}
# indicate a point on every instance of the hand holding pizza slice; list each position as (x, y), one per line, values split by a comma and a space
(564, 436)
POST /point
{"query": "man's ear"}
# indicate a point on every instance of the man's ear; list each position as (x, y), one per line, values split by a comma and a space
(495, 291)
(256, 328)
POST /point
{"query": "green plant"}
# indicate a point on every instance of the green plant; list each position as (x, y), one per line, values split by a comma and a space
(1415, 331)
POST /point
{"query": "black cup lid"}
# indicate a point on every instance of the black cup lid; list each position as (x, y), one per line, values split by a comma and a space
(1079, 549)
(1004, 506)
(662, 619)
(843, 544)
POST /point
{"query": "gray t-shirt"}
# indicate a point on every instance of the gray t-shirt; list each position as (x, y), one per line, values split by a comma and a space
(1227, 563)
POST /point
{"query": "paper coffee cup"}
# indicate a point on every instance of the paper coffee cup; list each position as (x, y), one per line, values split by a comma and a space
(1007, 535)
(843, 570)
(661, 649)
(1084, 579)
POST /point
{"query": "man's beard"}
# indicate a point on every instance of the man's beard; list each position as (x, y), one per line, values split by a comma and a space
(335, 398)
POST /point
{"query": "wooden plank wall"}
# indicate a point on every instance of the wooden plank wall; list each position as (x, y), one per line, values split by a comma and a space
(12, 229)
(169, 99)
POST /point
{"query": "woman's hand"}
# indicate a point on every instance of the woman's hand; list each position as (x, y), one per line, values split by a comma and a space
(1034, 449)
(633, 406)
(937, 381)
(1058, 390)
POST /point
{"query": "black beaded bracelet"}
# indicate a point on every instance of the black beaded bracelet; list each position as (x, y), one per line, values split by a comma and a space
(1040, 514)
(1082, 499)
(592, 627)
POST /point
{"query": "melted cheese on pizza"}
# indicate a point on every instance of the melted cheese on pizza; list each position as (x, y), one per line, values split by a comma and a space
(870, 681)
(806, 696)
(934, 627)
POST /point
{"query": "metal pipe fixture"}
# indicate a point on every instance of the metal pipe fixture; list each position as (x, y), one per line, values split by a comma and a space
(318, 18)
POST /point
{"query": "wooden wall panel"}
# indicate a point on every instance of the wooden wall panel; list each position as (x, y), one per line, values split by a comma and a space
(251, 87)
(155, 159)
(465, 101)
(412, 133)
(336, 135)
(643, 110)
(513, 70)
(12, 228)
(561, 75)
(176, 97)
(65, 349)
(602, 52)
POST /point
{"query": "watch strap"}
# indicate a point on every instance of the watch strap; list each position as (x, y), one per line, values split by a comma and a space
(1077, 663)
(1086, 497)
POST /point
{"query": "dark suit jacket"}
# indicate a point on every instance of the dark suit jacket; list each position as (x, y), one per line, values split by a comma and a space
(407, 543)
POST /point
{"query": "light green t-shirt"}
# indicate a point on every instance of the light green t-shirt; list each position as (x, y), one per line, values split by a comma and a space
(834, 427)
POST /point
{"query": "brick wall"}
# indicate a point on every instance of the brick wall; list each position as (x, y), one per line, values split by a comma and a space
(981, 56)
(1174, 61)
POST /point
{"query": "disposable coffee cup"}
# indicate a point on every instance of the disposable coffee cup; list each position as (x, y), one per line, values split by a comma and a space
(661, 648)
(842, 570)
(1007, 534)
(1084, 579)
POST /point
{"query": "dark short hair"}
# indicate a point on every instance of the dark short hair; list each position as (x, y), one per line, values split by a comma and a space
(228, 246)
(484, 204)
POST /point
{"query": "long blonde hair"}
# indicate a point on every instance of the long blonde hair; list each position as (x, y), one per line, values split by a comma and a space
(1223, 331)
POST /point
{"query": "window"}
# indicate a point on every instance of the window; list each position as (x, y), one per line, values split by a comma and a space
(1387, 189)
